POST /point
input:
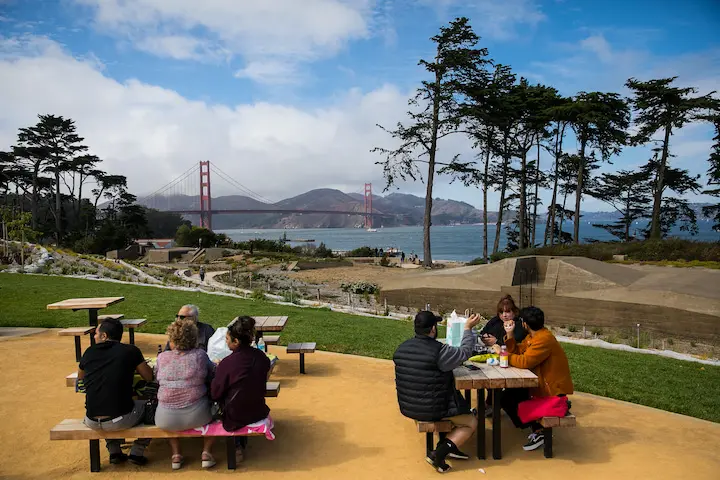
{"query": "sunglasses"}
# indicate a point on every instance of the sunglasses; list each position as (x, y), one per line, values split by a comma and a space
(183, 317)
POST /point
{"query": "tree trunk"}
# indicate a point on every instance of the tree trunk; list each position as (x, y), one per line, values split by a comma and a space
(579, 189)
(535, 200)
(58, 205)
(427, 220)
(523, 201)
(550, 224)
(485, 205)
(501, 206)
(34, 199)
(655, 233)
(562, 218)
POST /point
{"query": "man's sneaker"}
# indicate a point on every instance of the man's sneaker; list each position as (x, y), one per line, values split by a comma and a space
(440, 468)
(459, 455)
(535, 440)
(116, 458)
(138, 459)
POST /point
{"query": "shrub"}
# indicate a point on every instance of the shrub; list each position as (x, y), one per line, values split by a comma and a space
(384, 261)
(258, 294)
(596, 331)
(360, 287)
(361, 252)
(572, 328)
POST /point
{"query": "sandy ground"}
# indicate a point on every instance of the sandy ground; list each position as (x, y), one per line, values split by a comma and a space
(357, 273)
(340, 421)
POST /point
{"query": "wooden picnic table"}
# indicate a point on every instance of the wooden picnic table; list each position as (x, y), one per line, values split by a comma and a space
(492, 378)
(92, 305)
(131, 325)
(268, 324)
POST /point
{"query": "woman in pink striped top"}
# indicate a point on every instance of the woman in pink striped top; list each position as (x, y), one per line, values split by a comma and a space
(183, 403)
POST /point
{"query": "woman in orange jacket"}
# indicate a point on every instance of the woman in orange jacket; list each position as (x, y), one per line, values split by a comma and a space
(541, 353)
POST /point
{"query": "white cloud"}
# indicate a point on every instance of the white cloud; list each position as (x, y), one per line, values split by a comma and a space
(495, 19)
(181, 47)
(279, 30)
(152, 134)
(271, 72)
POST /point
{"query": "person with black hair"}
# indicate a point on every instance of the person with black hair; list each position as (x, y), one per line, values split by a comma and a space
(107, 370)
(544, 356)
(239, 383)
(426, 385)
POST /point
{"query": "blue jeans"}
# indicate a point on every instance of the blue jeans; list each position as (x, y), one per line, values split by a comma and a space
(123, 422)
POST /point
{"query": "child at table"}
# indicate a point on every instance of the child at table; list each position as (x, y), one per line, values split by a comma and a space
(239, 383)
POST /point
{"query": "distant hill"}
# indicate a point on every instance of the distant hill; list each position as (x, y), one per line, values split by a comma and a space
(410, 207)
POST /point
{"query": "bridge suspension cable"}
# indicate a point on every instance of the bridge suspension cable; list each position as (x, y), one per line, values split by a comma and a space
(243, 188)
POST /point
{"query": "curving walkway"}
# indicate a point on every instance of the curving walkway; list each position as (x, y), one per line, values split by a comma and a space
(340, 421)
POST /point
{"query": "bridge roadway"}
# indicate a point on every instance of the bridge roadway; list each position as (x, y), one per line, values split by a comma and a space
(280, 210)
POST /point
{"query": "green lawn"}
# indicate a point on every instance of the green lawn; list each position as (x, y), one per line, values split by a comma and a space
(683, 387)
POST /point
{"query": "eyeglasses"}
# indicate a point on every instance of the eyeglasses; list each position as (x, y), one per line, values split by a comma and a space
(183, 317)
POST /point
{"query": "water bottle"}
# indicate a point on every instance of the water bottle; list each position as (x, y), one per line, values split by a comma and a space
(261, 344)
(504, 357)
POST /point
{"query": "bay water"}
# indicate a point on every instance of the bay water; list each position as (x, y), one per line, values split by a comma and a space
(457, 243)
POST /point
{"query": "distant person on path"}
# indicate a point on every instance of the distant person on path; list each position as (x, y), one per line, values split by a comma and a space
(107, 370)
(376, 252)
(183, 374)
(239, 383)
(493, 333)
(402, 257)
(426, 385)
(544, 356)
(202, 274)
(205, 331)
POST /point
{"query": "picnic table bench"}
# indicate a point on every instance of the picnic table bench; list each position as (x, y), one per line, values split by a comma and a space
(78, 332)
(131, 325)
(75, 429)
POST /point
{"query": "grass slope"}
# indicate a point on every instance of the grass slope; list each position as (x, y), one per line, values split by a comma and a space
(677, 386)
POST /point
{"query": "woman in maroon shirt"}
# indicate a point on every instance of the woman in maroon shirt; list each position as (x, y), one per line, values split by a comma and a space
(239, 383)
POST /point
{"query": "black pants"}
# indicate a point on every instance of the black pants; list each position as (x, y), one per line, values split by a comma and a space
(509, 401)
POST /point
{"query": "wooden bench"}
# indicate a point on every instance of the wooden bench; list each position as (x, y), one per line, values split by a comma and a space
(111, 316)
(302, 349)
(75, 429)
(272, 389)
(548, 423)
(430, 428)
(270, 340)
(78, 332)
(131, 325)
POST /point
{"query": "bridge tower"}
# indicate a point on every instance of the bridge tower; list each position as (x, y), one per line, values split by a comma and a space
(205, 199)
(368, 205)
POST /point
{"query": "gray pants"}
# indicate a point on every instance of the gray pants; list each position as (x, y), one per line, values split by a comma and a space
(123, 423)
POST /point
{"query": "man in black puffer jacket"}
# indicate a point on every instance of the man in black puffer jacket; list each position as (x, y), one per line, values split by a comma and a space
(426, 385)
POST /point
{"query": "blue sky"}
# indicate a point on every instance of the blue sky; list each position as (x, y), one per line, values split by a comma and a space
(284, 95)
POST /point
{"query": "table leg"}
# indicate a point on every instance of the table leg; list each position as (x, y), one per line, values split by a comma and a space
(302, 363)
(468, 397)
(78, 350)
(93, 314)
(230, 448)
(497, 444)
(132, 336)
(547, 434)
(481, 424)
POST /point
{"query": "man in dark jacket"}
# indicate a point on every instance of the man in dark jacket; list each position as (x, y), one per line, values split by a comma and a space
(426, 385)
(205, 331)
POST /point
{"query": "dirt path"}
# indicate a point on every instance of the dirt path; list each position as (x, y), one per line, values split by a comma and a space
(339, 421)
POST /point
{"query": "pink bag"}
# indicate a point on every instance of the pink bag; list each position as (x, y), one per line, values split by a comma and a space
(536, 408)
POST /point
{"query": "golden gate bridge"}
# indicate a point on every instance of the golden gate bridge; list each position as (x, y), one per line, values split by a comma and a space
(195, 183)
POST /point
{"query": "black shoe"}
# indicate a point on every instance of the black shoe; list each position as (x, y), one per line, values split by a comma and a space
(439, 467)
(535, 440)
(459, 455)
(116, 458)
(138, 459)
